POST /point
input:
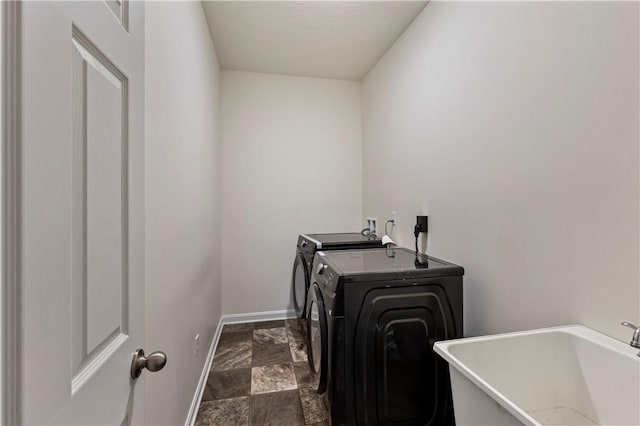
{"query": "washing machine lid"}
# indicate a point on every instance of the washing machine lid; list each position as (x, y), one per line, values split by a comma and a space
(388, 263)
(342, 240)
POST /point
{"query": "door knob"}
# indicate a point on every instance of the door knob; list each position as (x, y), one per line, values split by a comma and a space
(155, 361)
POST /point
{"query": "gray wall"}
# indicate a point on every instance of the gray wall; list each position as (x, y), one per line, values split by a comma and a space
(291, 150)
(182, 211)
(514, 126)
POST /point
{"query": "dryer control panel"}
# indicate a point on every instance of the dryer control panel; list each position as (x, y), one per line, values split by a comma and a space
(323, 274)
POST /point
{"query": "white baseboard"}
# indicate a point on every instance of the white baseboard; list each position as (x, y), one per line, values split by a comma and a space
(228, 319)
(197, 397)
(258, 316)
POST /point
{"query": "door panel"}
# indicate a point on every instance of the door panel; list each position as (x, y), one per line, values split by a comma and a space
(395, 363)
(100, 211)
(83, 211)
(120, 9)
(404, 340)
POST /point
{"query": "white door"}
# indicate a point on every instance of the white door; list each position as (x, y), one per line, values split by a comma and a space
(82, 218)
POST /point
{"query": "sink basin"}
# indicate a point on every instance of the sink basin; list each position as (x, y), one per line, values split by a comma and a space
(568, 375)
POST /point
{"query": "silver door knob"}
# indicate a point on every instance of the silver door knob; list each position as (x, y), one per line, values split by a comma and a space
(155, 361)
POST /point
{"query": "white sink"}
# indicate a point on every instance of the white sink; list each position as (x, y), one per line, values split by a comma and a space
(555, 376)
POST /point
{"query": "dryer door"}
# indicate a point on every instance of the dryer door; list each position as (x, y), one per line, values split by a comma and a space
(300, 284)
(318, 342)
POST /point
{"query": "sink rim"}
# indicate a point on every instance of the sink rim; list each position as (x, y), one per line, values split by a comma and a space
(442, 348)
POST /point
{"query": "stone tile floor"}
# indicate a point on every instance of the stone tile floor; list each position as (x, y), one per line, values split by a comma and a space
(260, 376)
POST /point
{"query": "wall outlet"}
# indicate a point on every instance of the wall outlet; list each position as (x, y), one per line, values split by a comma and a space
(196, 346)
(372, 224)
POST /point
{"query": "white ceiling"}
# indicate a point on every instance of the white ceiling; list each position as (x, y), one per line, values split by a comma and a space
(331, 39)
